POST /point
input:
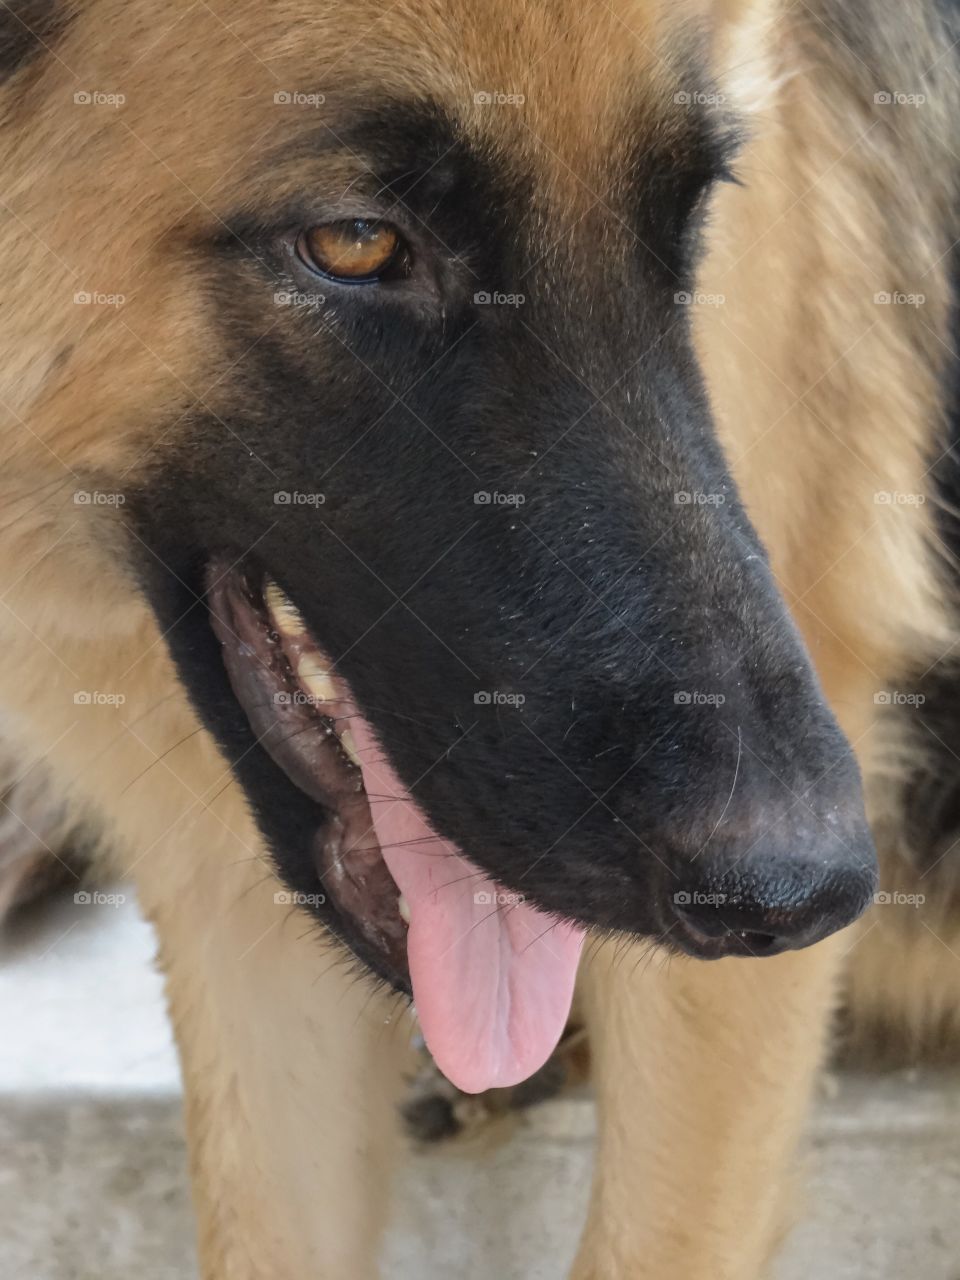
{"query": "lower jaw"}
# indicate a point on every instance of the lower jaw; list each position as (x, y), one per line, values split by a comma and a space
(298, 713)
(492, 976)
(306, 720)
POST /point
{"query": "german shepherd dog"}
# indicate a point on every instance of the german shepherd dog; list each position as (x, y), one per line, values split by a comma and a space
(477, 474)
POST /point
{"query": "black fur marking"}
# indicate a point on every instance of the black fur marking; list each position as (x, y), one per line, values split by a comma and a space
(671, 181)
(27, 29)
(604, 598)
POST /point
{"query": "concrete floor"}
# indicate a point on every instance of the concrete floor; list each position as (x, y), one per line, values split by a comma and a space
(92, 1183)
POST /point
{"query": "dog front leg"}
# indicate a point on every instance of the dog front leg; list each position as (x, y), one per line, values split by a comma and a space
(291, 1065)
(704, 1073)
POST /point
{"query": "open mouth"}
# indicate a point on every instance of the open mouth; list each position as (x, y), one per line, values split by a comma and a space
(492, 976)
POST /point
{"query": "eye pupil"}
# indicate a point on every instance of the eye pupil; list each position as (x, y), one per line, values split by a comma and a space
(354, 249)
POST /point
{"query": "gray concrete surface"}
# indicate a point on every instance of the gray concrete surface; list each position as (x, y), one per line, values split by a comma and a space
(92, 1183)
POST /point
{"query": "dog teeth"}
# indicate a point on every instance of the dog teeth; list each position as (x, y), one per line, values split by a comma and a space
(317, 681)
(350, 747)
(283, 612)
(403, 906)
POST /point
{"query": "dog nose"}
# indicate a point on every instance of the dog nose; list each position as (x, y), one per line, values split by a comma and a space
(767, 903)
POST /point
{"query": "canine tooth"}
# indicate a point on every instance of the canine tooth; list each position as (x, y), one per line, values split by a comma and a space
(403, 906)
(349, 746)
(283, 611)
(316, 681)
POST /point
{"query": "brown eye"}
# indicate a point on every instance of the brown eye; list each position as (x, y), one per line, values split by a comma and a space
(354, 250)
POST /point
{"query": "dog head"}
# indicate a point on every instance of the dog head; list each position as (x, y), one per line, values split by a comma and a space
(422, 485)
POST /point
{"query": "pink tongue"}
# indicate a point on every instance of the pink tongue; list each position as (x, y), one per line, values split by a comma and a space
(492, 977)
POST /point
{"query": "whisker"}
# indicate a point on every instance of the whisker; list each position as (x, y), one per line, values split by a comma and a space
(153, 763)
(533, 943)
(459, 880)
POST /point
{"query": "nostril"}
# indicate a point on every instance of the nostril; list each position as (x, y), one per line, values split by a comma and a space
(759, 944)
(732, 933)
(717, 915)
(761, 908)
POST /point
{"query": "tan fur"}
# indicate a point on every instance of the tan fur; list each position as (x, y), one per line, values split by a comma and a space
(823, 399)
(691, 1166)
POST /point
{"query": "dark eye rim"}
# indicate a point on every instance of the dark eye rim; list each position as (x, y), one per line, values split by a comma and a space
(397, 266)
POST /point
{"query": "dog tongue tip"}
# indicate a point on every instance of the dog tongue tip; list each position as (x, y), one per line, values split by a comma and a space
(493, 988)
(492, 976)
